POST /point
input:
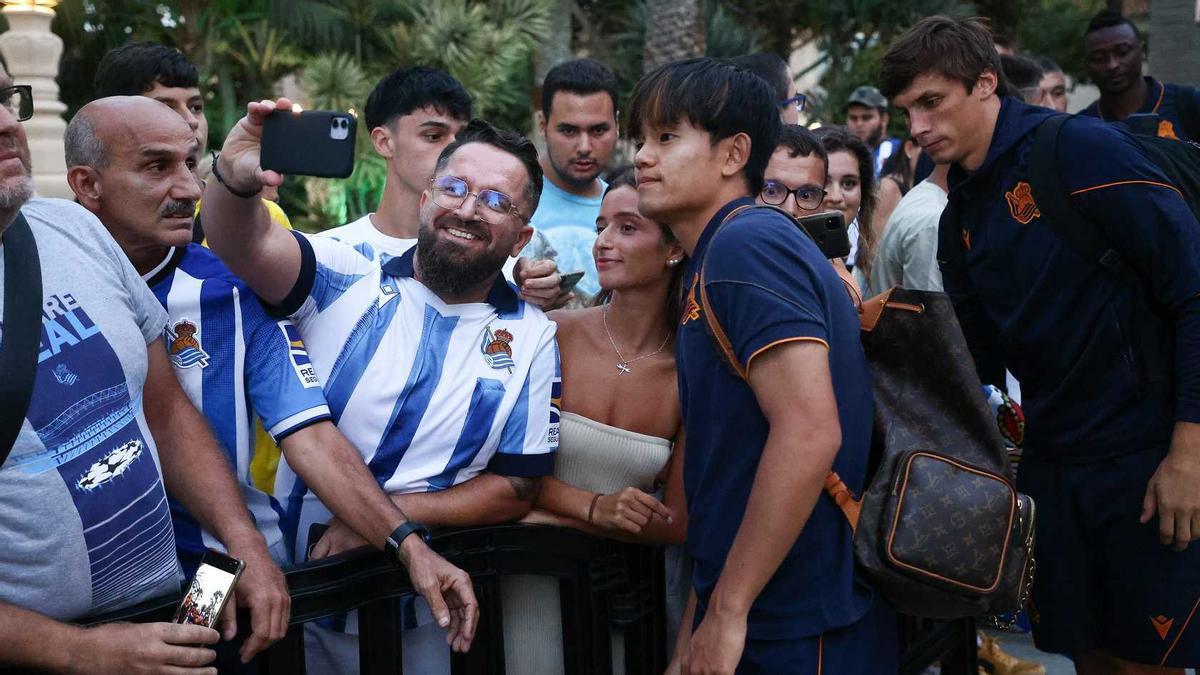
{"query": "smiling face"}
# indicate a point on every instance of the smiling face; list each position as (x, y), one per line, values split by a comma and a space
(16, 169)
(146, 193)
(580, 133)
(1114, 58)
(457, 251)
(946, 119)
(631, 250)
(843, 185)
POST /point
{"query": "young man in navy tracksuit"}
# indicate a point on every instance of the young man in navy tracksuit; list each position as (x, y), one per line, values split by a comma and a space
(1110, 377)
(767, 416)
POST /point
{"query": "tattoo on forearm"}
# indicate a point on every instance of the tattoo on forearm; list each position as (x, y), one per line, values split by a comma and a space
(526, 488)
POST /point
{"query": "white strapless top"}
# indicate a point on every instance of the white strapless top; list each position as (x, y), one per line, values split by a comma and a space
(602, 458)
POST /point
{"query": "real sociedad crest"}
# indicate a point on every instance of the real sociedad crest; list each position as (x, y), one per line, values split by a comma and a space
(183, 345)
(496, 349)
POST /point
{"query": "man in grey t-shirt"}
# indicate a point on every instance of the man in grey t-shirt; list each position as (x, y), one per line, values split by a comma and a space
(83, 512)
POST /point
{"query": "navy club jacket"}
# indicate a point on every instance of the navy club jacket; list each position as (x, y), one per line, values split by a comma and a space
(1101, 373)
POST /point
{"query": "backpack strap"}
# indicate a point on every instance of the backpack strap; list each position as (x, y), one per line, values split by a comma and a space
(22, 329)
(1187, 104)
(834, 486)
(1060, 213)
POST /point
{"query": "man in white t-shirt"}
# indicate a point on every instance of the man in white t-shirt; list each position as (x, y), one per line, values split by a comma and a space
(907, 253)
(412, 115)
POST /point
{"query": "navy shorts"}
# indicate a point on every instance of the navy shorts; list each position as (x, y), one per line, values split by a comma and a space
(1103, 580)
(867, 647)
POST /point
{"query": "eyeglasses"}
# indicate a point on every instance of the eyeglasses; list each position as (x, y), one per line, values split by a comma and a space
(798, 100)
(449, 192)
(18, 99)
(808, 197)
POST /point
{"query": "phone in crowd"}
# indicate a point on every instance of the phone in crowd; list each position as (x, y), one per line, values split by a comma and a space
(311, 143)
(1145, 124)
(828, 230)
(568, 280)
(209, 589)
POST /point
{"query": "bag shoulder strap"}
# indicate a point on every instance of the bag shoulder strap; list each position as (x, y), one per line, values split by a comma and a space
(834, 486)
(1187, 104)
(22, 329)
(1055, 205)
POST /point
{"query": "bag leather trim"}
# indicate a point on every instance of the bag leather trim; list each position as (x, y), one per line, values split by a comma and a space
(900, 491)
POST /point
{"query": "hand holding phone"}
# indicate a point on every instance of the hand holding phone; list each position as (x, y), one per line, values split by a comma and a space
(209, 589)
(829, 232)
(568, 280)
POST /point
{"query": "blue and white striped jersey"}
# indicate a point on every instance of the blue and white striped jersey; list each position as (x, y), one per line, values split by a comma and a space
(431, 394)
(235, 362)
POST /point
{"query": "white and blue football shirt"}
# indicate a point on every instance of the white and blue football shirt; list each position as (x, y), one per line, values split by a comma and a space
(236, 362)
(431, 394)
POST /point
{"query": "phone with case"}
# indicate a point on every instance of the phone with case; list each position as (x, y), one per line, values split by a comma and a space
(311, 143)
(209, 589)
(829, 231)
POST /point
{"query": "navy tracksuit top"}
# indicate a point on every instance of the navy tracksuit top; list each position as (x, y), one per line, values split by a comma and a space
(1102, 374)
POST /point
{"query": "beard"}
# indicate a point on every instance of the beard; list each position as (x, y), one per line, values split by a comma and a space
(875, 137)
(17, 194)
(446, 268)
(575, 181)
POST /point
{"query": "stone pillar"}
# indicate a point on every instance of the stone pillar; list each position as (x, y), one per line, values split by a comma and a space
(1175, 41)
(32, 53)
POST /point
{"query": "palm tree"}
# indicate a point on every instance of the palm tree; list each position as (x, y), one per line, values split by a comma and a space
(674, 31)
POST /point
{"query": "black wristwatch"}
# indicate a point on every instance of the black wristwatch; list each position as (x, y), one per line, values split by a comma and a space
(391, 547)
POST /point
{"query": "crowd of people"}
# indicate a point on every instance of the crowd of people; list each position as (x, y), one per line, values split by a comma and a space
(426, 366)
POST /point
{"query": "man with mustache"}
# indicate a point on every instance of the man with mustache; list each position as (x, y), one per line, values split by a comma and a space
(83, 492)
(433, 366)
(130, 162)
(578, 119)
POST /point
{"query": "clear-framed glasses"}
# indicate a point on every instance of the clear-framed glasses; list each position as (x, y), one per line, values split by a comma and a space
(18, 99)
(796, 101)
(808, 197)
(449, 192)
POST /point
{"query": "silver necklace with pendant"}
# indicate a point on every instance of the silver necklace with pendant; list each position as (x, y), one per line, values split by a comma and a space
(623, 363)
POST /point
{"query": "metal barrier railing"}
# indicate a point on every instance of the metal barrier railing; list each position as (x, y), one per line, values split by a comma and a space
(603, 585)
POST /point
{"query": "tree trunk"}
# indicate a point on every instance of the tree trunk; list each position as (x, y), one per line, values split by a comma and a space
(674, 31)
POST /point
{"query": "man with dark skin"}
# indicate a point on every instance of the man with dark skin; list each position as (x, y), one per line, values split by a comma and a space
(1114, 55)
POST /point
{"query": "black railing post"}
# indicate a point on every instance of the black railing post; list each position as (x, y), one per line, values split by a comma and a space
(380, 642)
(286, 657)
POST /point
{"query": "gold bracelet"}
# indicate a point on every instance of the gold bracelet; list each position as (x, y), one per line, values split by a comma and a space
(592, 508)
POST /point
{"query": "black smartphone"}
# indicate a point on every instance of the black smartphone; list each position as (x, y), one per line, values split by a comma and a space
(209, 589)
(568, 280)
(828, 230)
(311, 143)
(1145, 124)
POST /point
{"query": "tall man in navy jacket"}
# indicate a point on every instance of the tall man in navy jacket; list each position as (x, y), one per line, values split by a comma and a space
(1111, 380)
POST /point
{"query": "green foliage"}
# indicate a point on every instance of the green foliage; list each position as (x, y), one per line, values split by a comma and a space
(1055, 28)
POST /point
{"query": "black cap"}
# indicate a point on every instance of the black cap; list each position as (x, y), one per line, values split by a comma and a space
(868, 96)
